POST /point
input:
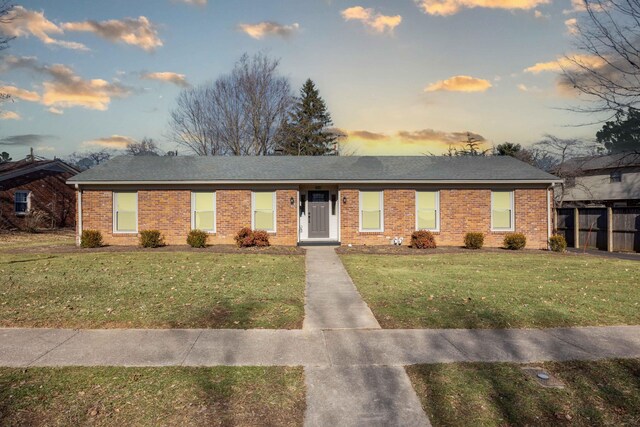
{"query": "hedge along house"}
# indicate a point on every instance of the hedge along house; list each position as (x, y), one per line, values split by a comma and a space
(298, 200)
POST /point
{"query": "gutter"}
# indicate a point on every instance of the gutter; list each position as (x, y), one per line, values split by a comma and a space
(316, 181)
(79, 232)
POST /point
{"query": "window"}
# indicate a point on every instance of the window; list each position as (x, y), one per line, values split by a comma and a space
(615, 176)
(371, 217)
(502, 210)
(203, 211)
(264, 209)
(428, 210)
(22, 200)
(125, 212)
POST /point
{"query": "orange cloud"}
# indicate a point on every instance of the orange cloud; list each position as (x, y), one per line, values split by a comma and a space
(564, 63)
(268, 28)
(15, 92)
(372, 19)
(117, 142)
(9, 115)
(168, 77)
(366, 135)
(136, 32)
(460, 84)
(451, 7)
(21, 22)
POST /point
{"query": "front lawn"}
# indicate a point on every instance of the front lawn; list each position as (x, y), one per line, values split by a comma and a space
(219, 396)
(501, 394)
(148, 289)
(497, 290)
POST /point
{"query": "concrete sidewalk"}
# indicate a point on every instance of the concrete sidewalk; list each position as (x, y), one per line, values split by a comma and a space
(332, 300)
(255, 347)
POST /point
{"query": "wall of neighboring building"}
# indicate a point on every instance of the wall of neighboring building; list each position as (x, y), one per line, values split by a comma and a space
(169, 211)
(597, 186)
(49, 194)
(462, 210)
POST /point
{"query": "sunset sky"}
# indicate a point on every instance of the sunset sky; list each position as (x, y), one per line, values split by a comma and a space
(399, 77)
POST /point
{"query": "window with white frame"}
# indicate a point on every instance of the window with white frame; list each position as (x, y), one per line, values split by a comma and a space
(125, 212)
(428, 210)
(21, 202)
(371, 211)
(203, 211)
(502, 211)
(264, 210)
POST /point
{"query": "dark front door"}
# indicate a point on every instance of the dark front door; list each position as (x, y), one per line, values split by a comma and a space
(318, 214)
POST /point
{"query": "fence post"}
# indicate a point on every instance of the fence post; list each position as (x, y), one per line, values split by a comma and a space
(576, 228)
(609, 229)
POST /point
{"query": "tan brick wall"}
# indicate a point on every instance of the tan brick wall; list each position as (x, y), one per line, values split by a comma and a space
(170, 212)
(462, 211)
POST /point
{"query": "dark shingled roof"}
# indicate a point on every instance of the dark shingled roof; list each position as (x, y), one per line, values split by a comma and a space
(296, 169)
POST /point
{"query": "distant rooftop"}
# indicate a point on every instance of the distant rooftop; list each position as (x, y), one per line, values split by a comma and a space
(608, 161)
(152, 169)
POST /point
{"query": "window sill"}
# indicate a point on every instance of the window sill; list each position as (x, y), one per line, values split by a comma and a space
(367, 232)
(502, 231)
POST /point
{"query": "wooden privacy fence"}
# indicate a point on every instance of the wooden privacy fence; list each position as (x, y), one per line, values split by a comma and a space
(607, 229)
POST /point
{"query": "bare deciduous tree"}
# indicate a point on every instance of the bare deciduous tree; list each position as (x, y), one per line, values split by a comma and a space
(608, 67)
(240, 113)
(146, 147)
(89, 159)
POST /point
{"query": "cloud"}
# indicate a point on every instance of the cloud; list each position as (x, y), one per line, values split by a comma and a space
(168, 77)
(564, 63)
(46, 148)
(25, 95)
(56, 111)
(30, 139)
(539, 15)
(136, 32)
(430, 135)
(460, 84)
(366, 135)
(268, 28)
(118, 142)
(66, 89)
(9, 115)
(372, 19)
(451, 7)
(22, 22)
(524, 88)
(572, 26)
(192, 2)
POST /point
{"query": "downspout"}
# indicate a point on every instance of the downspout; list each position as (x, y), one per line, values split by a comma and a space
(79, 229)
(549, 190)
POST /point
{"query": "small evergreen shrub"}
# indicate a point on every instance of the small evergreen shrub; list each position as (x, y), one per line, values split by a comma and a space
(473, 240)
(151, 239)
(557, 243)
(423, 240)
(515, 241)
(197, 239)
(260, 238)
(90, 239)
(247, 237)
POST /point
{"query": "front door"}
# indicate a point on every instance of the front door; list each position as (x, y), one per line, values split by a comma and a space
(318, 214)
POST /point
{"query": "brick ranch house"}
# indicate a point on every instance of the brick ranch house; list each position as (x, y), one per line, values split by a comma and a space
(34, 193)
(298, 200)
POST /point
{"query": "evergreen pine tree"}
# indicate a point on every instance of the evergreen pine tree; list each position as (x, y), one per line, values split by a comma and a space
(306, 132)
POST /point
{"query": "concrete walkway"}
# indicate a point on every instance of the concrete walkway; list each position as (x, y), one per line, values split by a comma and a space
(332, 300)
(314, 349)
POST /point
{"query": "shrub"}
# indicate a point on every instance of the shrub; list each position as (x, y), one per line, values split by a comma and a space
(557, 243)
(197, 239)
(260, 238)
(151, 239)
(244, 238)
(247, 237)
(34, 220)
(90, 239)
(515, 241)
(473, 240)
(423, 240)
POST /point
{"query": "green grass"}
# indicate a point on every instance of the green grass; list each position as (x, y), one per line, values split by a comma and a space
(500, 394)
(218, 396)
(151, 290)
(497, 290)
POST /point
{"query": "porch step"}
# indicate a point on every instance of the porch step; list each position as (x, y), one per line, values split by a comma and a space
(319, 243)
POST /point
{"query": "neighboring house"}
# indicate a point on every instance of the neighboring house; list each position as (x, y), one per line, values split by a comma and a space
(34, 193)
(611, 180)
(351, 200)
